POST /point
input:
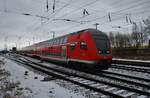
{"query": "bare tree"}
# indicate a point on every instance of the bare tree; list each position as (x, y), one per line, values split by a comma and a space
(147, 28)
(112, 39)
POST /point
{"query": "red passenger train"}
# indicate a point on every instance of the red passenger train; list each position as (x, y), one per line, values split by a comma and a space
(89, 47)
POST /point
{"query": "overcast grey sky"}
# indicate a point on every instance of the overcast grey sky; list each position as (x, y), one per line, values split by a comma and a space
(17, 29)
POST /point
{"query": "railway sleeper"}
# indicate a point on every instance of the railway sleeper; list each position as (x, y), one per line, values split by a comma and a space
(119, 92)
(142, 96)
(112, 89)
(84, 84)
(130, 95)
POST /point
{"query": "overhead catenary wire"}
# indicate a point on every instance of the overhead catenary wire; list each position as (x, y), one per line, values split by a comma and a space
(104, 17)
(57, 11)
(77, 9)
(103, 23)
(73, 11)
(124, 9)
(117, 11)
(114, 14)
(97, 12)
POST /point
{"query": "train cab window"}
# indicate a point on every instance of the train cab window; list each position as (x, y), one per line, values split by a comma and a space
(72, 46)
(83, 45)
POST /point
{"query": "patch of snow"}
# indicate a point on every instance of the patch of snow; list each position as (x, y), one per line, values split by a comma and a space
(35, 88)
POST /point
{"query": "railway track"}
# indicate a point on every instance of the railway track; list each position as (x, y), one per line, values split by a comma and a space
(132, 62)
(126, 76)
(108, 83)
(132, 68)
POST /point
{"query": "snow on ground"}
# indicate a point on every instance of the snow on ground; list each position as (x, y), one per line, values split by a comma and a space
(35, 88)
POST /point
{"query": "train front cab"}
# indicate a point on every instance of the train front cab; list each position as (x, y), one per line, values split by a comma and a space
(90, 47)
(103, 53)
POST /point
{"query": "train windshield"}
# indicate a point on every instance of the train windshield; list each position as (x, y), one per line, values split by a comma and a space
(102, 42)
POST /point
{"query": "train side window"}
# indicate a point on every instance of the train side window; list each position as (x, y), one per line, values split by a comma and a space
(49, 43)
(65, 40)
(52, 42)
(61, 40)
(56, 42)
(72, 46)
(83, 45)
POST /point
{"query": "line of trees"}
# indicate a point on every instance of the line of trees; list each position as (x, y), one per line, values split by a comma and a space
(138, 37)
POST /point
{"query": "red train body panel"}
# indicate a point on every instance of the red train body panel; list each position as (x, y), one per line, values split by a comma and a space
(88, 46)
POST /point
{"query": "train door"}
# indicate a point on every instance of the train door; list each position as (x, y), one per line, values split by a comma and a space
(73, 47)
(73, 51)
(64, 53)
(83, 50)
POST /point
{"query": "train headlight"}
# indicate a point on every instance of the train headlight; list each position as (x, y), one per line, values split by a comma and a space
(99, 51)
(107, 51)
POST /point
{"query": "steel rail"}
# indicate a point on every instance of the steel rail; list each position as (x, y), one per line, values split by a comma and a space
(132, 63)
(126, 76)
(103, 82)
(49, 71)
(124, 80)
(131, 68)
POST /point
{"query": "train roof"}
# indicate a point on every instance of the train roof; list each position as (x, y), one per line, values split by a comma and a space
(94, 32)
